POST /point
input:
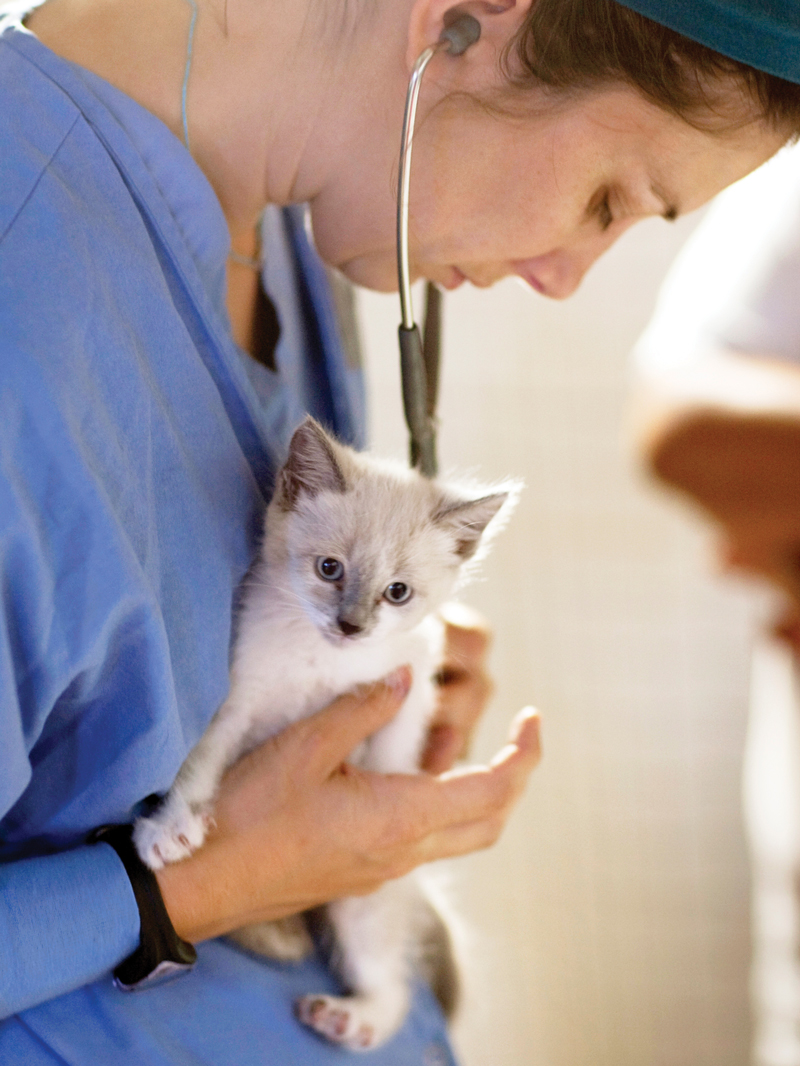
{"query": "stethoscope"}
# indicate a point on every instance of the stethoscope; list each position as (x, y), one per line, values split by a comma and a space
(419, 361)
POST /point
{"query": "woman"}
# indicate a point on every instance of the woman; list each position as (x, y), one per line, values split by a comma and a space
(139, 441)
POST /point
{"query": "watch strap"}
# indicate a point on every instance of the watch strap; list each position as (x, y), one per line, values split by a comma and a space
(161, 954)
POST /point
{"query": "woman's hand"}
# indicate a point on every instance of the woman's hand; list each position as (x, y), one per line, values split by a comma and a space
(296, 826)
(465, 687)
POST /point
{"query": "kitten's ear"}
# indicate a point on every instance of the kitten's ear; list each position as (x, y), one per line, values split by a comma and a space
(467, 520)
(311, 467)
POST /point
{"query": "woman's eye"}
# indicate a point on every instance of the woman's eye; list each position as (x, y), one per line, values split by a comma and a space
(397, 592)
(329, 569)
(604, 214)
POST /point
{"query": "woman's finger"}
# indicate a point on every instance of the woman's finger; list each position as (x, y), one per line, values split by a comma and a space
(445, 744)
(497, 786)
(525, 740)
(518, 758)
(462, 699)
(465, 687)
(429, 805)
(468, 636)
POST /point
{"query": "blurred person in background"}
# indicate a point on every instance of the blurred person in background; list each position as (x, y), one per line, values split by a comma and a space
(718, 418)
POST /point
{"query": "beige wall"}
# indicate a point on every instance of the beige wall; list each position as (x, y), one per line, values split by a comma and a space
(609, 927)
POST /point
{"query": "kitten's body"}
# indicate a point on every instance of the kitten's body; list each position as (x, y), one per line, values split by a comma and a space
(304, 639)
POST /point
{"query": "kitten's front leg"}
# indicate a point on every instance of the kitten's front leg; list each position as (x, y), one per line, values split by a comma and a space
(179, 825)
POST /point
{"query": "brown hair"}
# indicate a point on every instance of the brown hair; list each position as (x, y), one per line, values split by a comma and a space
(580, 44)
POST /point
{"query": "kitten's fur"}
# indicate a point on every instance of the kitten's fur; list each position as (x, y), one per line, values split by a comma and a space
(304, 638)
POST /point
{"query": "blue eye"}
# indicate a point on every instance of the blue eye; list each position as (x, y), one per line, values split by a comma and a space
(330, 569)
(397, 593)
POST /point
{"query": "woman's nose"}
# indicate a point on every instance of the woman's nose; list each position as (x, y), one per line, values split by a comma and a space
(558, 274)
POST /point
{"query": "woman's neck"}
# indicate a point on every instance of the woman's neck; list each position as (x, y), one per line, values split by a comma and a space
(271, 104)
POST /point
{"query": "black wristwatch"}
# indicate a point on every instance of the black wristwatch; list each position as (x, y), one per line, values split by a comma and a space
(161, 954)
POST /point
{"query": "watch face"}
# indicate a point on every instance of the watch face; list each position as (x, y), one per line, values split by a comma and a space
(165, 971)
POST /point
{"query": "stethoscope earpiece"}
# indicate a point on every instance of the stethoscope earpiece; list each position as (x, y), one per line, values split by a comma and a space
(420, 369)
(460, 32)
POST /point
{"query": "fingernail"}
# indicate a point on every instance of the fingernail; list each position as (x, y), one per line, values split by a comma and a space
(400, 681)
(536, 719)
(526, 717)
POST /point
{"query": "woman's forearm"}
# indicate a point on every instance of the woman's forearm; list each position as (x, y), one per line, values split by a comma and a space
(65, 920)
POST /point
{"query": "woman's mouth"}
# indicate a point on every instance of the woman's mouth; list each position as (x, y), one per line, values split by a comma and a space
(530, 279)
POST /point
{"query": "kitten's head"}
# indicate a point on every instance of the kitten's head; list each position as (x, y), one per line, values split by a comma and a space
(368, 547)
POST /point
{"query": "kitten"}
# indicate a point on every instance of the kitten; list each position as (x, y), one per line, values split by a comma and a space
(358, 554)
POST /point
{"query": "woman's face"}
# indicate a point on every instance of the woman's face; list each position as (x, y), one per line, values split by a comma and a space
(541, 196)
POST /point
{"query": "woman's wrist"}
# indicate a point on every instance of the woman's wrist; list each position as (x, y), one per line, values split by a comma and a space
(188, 890)
(161, 952)
(211, 894)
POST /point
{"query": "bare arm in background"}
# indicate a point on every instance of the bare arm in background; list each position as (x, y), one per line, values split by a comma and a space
(726, 434)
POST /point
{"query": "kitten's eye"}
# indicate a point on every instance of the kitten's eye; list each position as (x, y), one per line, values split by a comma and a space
(397, 592)
(329, 569)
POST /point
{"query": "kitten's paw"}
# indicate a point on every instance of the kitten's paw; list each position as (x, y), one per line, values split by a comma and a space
(350, 1021)
(172, 833)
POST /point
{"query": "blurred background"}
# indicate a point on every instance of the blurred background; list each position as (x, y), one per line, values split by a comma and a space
(609, 927)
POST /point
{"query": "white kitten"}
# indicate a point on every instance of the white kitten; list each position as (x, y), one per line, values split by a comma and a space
(358, 555)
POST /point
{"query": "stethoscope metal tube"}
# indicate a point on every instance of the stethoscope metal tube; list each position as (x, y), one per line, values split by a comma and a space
(419, 377)
(409, 121)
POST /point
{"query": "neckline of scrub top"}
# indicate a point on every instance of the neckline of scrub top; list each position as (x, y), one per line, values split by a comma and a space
(203, 278)
(764, 34)
(185, 188)
(183, 185)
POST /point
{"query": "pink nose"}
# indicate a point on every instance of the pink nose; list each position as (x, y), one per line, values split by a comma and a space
(555, 275)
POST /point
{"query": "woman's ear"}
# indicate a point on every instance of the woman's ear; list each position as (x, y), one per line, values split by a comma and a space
(499, 21)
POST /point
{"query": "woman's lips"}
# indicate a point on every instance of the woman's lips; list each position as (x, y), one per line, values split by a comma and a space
(457, 277)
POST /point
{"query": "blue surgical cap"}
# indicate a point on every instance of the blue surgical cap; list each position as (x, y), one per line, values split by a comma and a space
(762, 33)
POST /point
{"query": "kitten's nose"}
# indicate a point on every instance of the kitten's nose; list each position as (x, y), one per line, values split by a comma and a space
(348, 628)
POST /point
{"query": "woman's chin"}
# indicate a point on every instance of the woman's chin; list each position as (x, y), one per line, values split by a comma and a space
(377, 272)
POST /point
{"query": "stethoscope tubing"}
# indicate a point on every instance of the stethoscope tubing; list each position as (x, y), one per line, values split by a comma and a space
(403, 184)
(415, 371)
(420, 366)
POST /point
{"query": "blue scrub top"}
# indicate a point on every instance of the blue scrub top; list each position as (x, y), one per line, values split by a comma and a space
(137, 450)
